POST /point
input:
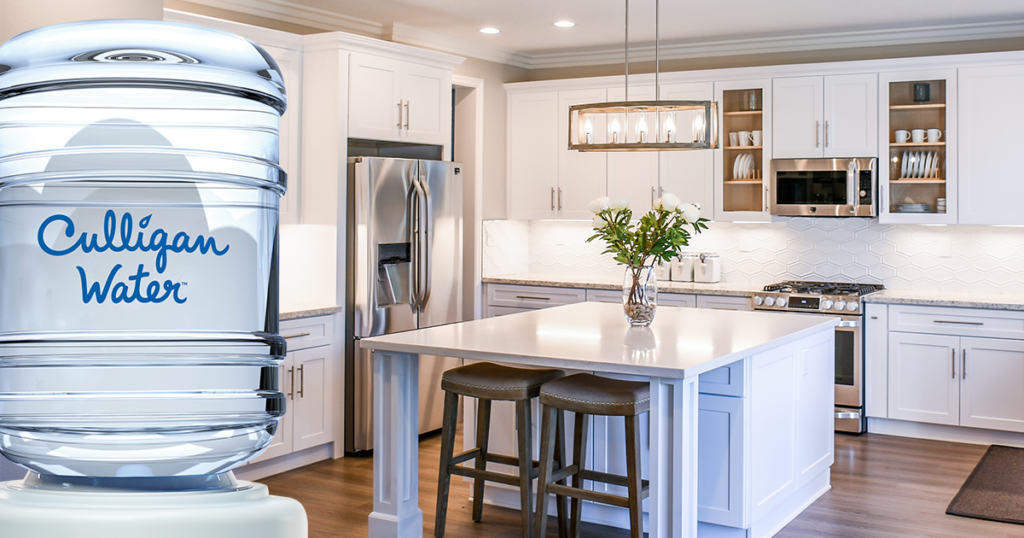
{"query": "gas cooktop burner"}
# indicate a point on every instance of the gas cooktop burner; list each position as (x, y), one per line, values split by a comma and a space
(824, 288)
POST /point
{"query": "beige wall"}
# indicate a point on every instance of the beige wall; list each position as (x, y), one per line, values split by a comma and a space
(198, 9)
(18, 16)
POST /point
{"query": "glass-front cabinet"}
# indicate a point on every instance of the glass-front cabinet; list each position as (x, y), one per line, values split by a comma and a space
(917, 127)
(744, 155)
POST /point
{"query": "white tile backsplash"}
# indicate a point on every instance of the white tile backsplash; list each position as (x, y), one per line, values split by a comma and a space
(983, 259)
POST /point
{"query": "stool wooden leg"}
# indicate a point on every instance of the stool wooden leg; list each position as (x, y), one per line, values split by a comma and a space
(525, 464)
(633, 480)
(578, 458)
(483, 434)
(444, 478)
(548, 437)
(560, 455)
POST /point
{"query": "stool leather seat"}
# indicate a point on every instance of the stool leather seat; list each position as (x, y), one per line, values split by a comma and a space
(497, 381)
(596, 395)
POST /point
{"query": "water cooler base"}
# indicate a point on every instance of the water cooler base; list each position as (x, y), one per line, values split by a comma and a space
(251, 512)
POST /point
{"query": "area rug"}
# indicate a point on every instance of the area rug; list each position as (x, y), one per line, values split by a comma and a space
(995, 489)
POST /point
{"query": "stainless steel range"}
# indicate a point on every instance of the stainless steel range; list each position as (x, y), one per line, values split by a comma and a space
(834, 299)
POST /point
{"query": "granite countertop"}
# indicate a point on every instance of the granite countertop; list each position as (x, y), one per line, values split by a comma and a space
(299, 310)
(957, 299)
(735, 289)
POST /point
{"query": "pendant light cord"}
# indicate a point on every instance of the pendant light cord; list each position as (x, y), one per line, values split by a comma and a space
(657, 47)
(627, 50)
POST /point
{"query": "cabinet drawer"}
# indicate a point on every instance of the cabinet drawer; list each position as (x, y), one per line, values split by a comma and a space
(721, 302)
(957, 321)
(308, 332)
(532, 296)
(609, 296)
(677, 299)
(724, 381)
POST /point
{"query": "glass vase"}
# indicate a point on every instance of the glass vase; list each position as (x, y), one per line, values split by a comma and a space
(640, 294)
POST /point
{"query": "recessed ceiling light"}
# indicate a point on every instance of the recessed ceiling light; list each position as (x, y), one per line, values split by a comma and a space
(565, 24)
(489, 30)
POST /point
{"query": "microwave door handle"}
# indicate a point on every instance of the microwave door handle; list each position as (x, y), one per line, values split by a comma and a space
(853, 186)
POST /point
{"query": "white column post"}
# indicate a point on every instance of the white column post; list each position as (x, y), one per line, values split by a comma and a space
(673, 493)
(396, 511)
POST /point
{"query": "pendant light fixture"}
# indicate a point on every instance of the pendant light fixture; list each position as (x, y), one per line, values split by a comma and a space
(644, 125)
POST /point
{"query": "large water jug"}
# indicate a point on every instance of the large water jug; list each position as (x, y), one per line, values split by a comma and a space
(139, 189)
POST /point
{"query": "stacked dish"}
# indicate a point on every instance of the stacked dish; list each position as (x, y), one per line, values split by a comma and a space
(920, 164)
(743, 167)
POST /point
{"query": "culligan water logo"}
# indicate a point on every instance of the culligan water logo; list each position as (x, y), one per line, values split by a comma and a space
(119, 236)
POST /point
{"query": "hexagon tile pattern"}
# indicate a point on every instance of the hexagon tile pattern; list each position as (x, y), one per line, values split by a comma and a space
(983, 259)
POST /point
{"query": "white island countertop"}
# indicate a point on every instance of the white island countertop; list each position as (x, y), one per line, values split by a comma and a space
(681, 342)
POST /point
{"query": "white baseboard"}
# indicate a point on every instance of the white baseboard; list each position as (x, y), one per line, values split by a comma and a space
(940, 432)
(263, 469)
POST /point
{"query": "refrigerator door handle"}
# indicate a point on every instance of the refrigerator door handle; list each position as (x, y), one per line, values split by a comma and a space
(414, 239)
(426, 232)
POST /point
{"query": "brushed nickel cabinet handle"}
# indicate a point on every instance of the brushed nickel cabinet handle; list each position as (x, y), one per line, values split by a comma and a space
(552, 198)
(954, 364)
(407, 115)
(300, 335)
(963, 363)
(559, 199)
(291, 391)
(399, 114)
(302, 381)
(817, 132)
(534, 298)
(979, 323)
(826, 133)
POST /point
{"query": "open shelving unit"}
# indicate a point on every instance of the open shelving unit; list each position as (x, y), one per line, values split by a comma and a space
(742, 193)
(907, 114)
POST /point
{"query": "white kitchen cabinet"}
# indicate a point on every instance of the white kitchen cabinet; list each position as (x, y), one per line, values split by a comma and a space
(634, 174)
(738, 196)
(398, 101)
(991, 115)
(722, 302)
(533, 153)
(305, 378)
(690, 175)
(992, 384)
(581, 174)
(290, 63)
(901, 112)
(832, 116)
(923, 384)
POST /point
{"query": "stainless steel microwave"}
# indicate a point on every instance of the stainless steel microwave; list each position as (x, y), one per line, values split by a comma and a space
(824, 187)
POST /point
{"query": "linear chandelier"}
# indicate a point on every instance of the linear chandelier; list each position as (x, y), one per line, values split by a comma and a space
(644, 125)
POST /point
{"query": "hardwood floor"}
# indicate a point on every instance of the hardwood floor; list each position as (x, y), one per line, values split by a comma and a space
(882, 486)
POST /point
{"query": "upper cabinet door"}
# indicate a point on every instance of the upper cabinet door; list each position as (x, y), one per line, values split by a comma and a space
(533, 148)
(581, 175)
(290, 62)
(375, 104)
(634, 175)
(851, 116)
(741, 171)
(426, 103)
(690, 175)
(991, 115)
(799, 120)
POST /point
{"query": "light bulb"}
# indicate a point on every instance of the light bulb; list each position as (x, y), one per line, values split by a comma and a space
(588, 131)
(641, 128)
(670, 128)
(698, 128)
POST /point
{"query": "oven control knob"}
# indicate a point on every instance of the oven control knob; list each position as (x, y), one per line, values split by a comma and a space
(758, 300)
(770, 301)
(826, 304)
(840, 304)
(852, 307)
(781, 302)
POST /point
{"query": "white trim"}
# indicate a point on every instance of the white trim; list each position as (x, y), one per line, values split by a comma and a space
(257, 34)
(478, 187)
(282, 10)
(410, 35)
(381, 48)
(940, 432)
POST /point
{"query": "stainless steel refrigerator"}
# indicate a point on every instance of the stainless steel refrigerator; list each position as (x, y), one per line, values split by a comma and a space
(404, 272)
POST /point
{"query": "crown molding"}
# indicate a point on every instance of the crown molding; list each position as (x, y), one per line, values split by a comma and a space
(379, 47)
(789, 43)
(411, 35)
(256, 34)
(286, 11)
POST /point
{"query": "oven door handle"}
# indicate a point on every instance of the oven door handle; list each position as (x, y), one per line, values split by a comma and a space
(849, 323)
(847, 414)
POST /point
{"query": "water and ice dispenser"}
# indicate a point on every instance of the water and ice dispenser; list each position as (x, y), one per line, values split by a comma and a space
(139, 190)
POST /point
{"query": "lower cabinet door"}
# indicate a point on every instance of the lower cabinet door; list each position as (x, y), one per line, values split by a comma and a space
(281, 445)
(923, 378)
(312, 412)
(992, 383)
(720, 453)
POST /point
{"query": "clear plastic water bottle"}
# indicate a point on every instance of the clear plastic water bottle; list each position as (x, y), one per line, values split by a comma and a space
(139, 189)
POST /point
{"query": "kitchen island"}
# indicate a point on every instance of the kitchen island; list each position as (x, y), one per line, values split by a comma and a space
(780, 367)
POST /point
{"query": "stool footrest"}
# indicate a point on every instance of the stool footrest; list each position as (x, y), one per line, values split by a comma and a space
(465, 456)
(613, 479)
(587, 495)
(490, 476)
(506, 460)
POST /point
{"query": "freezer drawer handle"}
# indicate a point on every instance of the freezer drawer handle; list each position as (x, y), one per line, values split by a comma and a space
(847, 414)
(978, 323)
(534, 298)
(300, 335)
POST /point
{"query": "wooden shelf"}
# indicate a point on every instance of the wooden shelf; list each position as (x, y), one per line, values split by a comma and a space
(743, 182)
(743, 113)
(738, 148)
(914, 144)
(918, 180)
(917, 107)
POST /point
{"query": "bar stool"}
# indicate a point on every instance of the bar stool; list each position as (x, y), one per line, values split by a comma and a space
(587, 394)
(488, 382)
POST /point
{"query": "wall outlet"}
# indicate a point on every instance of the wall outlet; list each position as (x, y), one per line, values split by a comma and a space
(491, 240)
(944, 248)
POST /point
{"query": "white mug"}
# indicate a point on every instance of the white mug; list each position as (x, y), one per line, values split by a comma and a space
(755, 136)
(733, 139)
(917, 136)
(934, 135)
(744, 138)
(902, 136)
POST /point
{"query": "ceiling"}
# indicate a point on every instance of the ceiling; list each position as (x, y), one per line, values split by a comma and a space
(526, 25)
